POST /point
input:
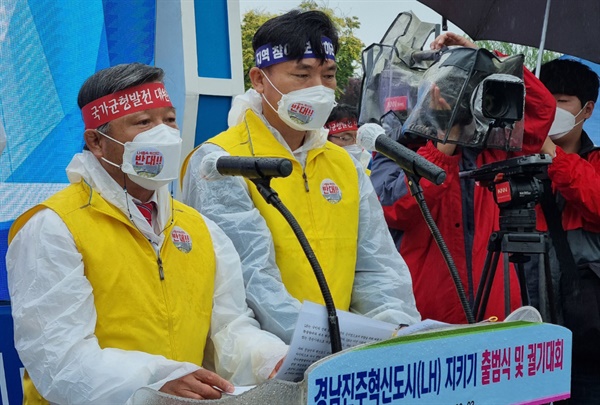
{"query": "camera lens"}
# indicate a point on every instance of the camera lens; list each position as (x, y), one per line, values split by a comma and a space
(494, 105)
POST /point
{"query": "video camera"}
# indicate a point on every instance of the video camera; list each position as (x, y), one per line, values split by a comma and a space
(517, 186)
(483, 94)
(472, 98)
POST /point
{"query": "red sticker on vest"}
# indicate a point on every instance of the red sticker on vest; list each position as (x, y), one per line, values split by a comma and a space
(331, 191)
(181, 239)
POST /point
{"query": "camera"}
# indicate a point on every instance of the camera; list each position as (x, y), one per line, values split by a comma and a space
(472, 98)
(517, 186)
(498, 100)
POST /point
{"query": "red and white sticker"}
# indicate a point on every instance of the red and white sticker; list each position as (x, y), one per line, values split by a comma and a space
(331, 191)
(398, 103)
(181, 239)
(503, 192)
(301, 112)
(147, 162)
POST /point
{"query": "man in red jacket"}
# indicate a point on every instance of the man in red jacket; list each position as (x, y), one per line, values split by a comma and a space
(466, 214)
(572, 218)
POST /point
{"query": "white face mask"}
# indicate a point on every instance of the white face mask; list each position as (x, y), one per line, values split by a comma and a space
(305, 109)
(151, 160)
(563, 123)
(359, 153)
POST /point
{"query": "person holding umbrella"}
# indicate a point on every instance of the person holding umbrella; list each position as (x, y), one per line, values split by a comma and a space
(574, 198)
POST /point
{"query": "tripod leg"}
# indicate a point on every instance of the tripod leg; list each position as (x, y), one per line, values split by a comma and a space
(482, 282)
(506, 284)
(487, 285)
(522, 283)
(545, 265)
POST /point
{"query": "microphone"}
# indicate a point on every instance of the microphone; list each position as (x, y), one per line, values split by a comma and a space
(250, 167)
(373, 137)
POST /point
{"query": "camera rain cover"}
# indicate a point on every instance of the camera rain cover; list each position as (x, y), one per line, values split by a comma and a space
(472, 98)
(392, 71)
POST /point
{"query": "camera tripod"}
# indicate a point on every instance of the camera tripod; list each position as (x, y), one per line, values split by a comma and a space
(516, 240)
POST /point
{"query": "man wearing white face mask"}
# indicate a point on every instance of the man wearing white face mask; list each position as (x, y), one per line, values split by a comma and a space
(342, 125)
(328, 192)
(114, 285)
(572, 217)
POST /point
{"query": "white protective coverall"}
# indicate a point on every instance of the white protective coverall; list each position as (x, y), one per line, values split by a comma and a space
(55, 317)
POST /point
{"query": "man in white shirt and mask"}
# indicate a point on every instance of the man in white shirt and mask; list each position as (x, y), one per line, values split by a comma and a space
(327, 192)
(114, 285)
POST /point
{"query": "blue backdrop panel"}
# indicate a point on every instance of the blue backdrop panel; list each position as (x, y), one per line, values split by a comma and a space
(212, 39)
(212, 117)
(10, 373)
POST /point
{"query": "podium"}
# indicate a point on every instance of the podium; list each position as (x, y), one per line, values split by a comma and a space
(495, 363)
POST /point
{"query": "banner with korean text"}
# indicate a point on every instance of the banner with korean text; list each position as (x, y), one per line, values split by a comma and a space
(504, 363)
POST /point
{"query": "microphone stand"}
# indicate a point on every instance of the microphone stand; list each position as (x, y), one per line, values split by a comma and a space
(417, 192)
(264, 187)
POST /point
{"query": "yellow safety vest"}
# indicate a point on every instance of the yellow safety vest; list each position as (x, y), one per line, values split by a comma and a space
(136, 310)
(324, 199)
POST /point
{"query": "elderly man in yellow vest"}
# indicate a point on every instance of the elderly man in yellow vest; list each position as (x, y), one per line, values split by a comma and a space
(114, 285)
(327, 192)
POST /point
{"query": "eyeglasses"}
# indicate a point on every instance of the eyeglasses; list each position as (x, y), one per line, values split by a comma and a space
(343, 139)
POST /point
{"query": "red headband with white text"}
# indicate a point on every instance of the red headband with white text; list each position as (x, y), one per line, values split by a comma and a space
(335, 127)
(125, 102)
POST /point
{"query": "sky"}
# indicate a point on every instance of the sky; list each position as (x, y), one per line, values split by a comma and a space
(375, 16)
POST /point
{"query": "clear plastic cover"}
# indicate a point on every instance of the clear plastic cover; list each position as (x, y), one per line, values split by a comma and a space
(455, 95)
(472, 98)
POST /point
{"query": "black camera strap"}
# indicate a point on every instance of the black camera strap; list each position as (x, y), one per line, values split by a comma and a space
(569, 274)
(553, 214)
(558, 235)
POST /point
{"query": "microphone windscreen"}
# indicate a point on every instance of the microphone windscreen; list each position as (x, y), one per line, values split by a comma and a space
(208, 166)
(367, 134)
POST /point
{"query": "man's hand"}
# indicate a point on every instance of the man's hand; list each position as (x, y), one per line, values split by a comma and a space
(277, 367)
(450, 39)
(201, 384)
(549, 147)
(438, 103)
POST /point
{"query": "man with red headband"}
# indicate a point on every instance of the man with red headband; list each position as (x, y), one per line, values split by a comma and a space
(114, 285)
(342, 125)
(327, 192)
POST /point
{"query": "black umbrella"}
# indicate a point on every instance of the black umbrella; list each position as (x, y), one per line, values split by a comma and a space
(567, 26)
